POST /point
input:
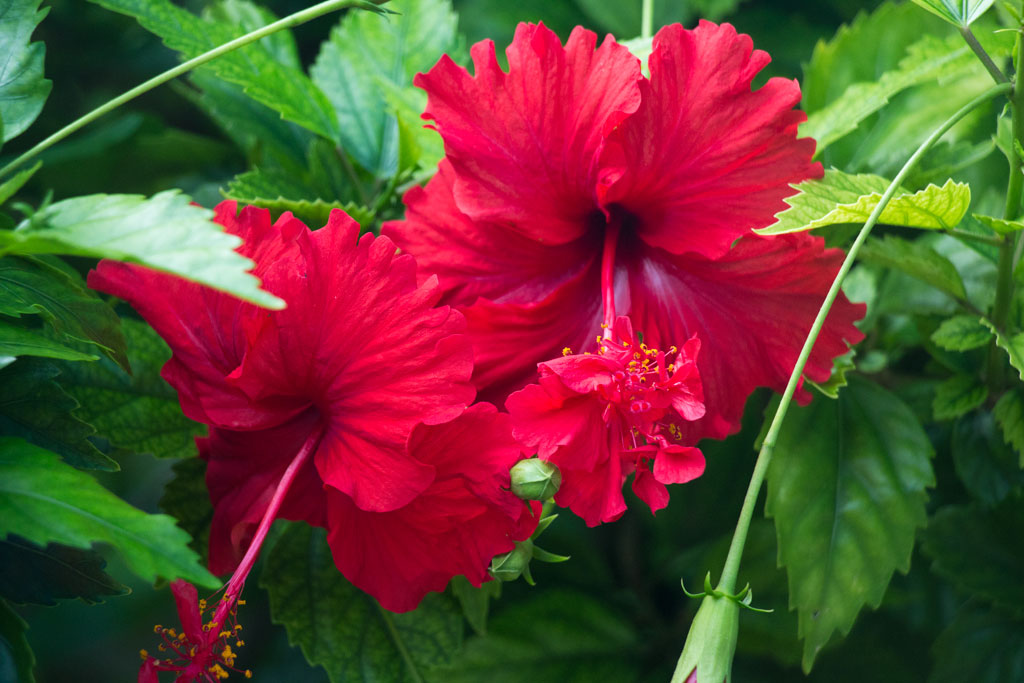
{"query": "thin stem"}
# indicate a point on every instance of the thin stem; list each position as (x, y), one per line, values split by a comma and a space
(972, 41)
(647, 19)
(727, 583)
(611, 240)
(974, 237)
(290, 21)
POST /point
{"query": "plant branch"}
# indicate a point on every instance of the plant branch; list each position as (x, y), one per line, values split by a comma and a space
(647, 19)
(997, 74)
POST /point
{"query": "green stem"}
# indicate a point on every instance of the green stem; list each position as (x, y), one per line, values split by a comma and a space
(974, 237)
(972, 41)
(647, 19)
(727, 583)
(290, 21)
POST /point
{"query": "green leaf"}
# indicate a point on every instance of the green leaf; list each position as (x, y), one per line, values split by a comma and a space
(981, 645)
(958, 395)
(11, 186)
(979, 550)
(842, 365)
(45, 501)
(271, 191)
(23, 89)
(49, 288)
(840, 198)
(30, 573)
(37, 409)
(986, 466)
(961, 333)
(366, 51)
(165, 232)
(957, 12)
(847, 491)
(16, 657)
(999, 225)
(1014, 346)
(917, 260)
(138, 412)
(188, 501)
(16, 340)
(475, 602)
(419, 146)
(1009, 413)
(344, 630)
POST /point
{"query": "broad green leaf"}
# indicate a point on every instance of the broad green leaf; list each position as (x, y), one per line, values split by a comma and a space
(46, 501)
(958, 395)
(419, 146)
(1003, 227)
(281, 87)
(279, 194)
(138, 412)
(16, 340)
(250, 17)
(1014, 347)
(365, 51)
(23, 89)
(985, 464)
(475, 602)
(842, 365)
(843, 198)
(188, 501)
(981, 645)
(957, 12)
(980, 550)
(15, 182)
(47, 287)
(16, 657)
(1009, 413)
(961, 333)
(344, 630)
(917, 260)
(34, 407)
(30, 573)
(847, 491)
(165, 232)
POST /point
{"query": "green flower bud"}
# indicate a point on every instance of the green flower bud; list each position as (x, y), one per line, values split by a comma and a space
(711, 643)
(535, 479)
(512, 565)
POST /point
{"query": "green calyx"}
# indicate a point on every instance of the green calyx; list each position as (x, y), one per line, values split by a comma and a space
(711, 643)
(535, 479)
(515, 563)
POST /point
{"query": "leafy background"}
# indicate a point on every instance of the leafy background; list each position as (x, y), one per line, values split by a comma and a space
(615, 611)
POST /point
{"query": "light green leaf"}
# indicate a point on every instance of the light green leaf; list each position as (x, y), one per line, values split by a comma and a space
(1014, 347)
(45, 501)
(842, 365)
(917, 260)
(961, 333)
(957, 12)
(999, 225)
(15, 182)
(1009, 413)
(986, 466)
(31, 573)
(344, 630)
(138, 412)
(843, 198)
(23, 89)
(279, 194)
(847, 491)
(16, 657)
(981, 645)
(16, 340)
(366, 51)
(165, 232)
(958, 395)
(419, 146)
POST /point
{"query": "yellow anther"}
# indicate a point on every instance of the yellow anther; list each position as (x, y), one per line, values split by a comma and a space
(157, 628)
(598, 339)
(225, 634)
(604, 326)
(162, 647)
(671, 367)
(144, 655)
(248, 674)
(202, 605)
(603, 349)
(673, 350)
(240, 602)
(182, 637)
(566, 351)
(172, 633)
(636, 355)
(218, 671)
(239, 643)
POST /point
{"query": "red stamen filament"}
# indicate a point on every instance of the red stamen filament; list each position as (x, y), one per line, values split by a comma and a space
(611, 240)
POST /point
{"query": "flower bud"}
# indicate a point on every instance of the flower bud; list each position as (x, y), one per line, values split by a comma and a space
(511, 565)
(711, 643)
(535, 479)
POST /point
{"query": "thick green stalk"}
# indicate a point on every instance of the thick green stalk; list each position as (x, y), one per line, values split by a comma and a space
(727, 583)
(290, 21)
(647, 19)
(997, 74)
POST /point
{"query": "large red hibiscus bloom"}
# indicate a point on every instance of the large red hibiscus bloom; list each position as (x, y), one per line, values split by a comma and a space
(573, 159)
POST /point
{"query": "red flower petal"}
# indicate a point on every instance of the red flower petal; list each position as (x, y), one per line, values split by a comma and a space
(186, 598)
(678, 464)
(648, 489)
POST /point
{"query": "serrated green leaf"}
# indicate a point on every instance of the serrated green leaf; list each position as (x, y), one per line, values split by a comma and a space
(1009, 413)
(365, 51)
(475, 602)
(344, 630)
(138, 412)
(273, 191)
(35, 408)
(979, 550)
(30, 573)
(188, 501)
(15, 182)
(47, 287)
(981, 645)
(16, 657)
(961, 333)
(999, 225)
(1014, 347)
(847, 491)
(419, 146)
(46, 501)
(23, 89)
(165, 232)
(842, 365)
(986, 466)
(16, 340)
(958, 395)
(917, 260)
(840, 198)
(957, 12)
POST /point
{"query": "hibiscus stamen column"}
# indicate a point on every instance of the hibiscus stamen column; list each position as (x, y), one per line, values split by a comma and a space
(611, 240)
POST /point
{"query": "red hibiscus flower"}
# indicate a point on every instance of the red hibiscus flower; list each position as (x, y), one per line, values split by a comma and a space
(602, 416)
(572, 159)
(359, 363)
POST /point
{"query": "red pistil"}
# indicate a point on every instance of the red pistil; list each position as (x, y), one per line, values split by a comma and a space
(611, 240)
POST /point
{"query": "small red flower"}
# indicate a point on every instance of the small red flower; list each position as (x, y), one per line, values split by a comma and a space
(602, 416)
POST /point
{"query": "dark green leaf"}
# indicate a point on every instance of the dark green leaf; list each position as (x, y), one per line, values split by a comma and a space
(16, 657)
(47, 287)
(165, 232)
(847, 491)
(1009, 413)
(986, 465)
(982, 645)
(140, 411)
(365, 51)
(344, 630)
(17, 340)
(23, 89)
(475, 602)
(917, 260)
(276, 192)
(11, 186)
(34, 407)
(962, 333)
(45, 501)
(188, 501)
(958, 395)
(957, 12)
(1013, 345)
(30, 573)
(979, 550)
